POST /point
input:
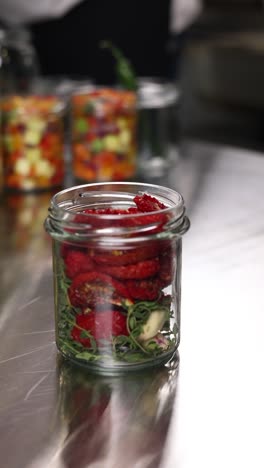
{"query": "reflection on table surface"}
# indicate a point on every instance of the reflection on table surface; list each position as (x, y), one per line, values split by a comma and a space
(115, 422)
(22, 219)
(206, 411)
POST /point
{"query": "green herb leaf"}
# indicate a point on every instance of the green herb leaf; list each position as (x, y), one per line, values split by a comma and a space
(124, 70)
(88, 356)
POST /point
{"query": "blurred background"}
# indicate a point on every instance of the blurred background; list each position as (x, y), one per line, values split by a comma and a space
(222, 73)
(210, 52)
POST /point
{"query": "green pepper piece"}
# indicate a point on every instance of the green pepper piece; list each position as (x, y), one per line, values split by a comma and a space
(81, 126)
(124, 70)
(8, 143)
(97, 145)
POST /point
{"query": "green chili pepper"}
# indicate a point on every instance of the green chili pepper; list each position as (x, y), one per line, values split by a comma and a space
(124, 70)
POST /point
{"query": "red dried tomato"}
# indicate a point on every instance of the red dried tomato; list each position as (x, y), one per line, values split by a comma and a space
(106, 211)
(101, 325)
(77, 262)
(158, 220)
(96, 222)
(144, 290)
(145, 203)
(167, 265)
(94, 289)
(125, 257)
(139, 270)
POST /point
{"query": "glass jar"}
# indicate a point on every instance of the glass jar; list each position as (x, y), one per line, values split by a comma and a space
(33, 142)
(19, 66)
(103, 134)
(117, 272)
(157, 127)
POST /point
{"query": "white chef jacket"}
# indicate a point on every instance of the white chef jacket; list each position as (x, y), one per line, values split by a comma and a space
(182, 14)
(19, 12)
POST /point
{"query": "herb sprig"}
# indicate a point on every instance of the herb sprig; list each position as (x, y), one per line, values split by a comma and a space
(120, 348)
(123, 68)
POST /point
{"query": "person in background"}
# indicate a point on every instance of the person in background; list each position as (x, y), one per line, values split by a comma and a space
(67, 33)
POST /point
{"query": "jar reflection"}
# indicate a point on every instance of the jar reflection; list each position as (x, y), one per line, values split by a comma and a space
(22, 217)
(115, 422)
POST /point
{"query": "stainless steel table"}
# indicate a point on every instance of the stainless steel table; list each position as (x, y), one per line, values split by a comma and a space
(207, 410)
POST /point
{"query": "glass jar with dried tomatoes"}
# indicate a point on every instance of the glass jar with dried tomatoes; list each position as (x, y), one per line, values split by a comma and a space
(117, 272)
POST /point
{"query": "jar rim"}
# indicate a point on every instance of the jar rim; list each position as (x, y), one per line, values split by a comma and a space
(156, 93)
(68, 203)
(23, 106)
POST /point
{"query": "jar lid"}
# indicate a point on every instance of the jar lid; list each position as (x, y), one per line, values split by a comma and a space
(154, 93)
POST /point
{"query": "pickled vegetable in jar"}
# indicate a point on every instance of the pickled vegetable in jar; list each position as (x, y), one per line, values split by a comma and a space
(117, 274)
(33, 142)
(104, 135)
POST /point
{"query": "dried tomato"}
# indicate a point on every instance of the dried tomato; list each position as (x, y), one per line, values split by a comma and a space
(145, 203)
(106, 211)
(101, 325)
(158, 220)
(167, 261)
(139, 270)
(96, 222)
(94, 289)
(77, 262)
(144, 290)
(125, 257)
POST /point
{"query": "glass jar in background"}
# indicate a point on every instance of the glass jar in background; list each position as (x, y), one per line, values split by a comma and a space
(103, 134)
(117, 272)
(32, 142)
(19, 66)
(157, 127)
